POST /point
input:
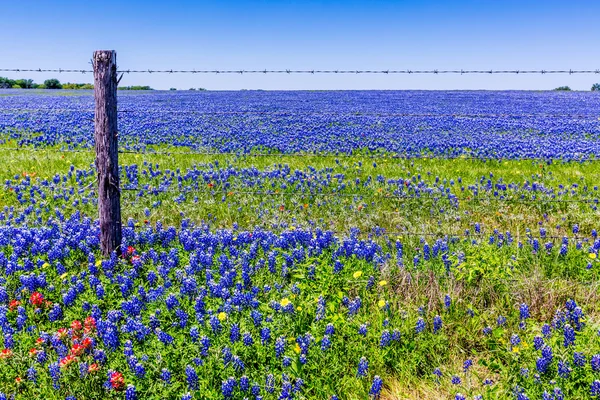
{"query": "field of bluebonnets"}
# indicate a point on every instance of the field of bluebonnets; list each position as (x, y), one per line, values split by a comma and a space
(304, 245)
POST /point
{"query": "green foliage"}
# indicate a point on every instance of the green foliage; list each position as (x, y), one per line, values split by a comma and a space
(52, 84)
(596, 87)
(563, 89)
(135, 88)
(6, 83)
(85, 86)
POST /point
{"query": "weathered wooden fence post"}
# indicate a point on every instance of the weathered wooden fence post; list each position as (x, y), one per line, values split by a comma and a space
(107, 160)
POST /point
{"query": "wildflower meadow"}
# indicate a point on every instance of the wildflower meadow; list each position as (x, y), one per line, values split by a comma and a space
(304, 245)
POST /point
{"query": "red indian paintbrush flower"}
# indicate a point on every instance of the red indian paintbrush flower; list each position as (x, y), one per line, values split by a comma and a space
(5, 354)
(76, 325)
(37, 299)
(117, 381)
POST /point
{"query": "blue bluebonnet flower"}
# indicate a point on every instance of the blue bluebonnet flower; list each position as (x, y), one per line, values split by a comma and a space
(191, 377)
(362, 330)
(595, 362)
(385, 339)
(466, 365)
(420, 326)
(524, 311)
(363, 366)
(578, 359)
(54, 371)
(244, 383)
(455, 380)
(447, 301)
(321, 309)
(130, 393)
(376, 387)
(287, 361)
(595, 389)
(247, 339)
(165, 376)
(437, 323)
(265, 335)
(329, 329)
(270, 383)
(280, 346)
(546, 330)
(325, 343)
(32, 374)
(234, 334)
(459, 396)
(569, 336)
(515, 340)
(563, 369)
(227, 387)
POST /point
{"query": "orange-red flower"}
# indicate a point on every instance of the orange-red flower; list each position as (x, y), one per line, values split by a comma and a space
(5, 354)
(14, 304)
(37, 299)
(33, 351)
(87, 343)
(117, 381)
(62, 333)
(76, 325)
(66, 361)
(90, 324)
(77, 349)
(93, 368)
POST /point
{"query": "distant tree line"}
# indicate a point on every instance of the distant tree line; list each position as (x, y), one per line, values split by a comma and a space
(135, 88)
(595, 88)
(7, 83)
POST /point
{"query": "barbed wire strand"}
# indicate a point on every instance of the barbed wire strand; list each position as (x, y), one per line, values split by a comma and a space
(313, 71)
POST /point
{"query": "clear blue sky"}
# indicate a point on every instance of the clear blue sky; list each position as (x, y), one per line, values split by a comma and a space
(343, 34)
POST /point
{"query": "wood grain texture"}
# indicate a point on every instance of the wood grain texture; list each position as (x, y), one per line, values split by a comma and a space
(107, 156)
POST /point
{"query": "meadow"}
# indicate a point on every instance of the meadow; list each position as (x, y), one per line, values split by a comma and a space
(304, 245)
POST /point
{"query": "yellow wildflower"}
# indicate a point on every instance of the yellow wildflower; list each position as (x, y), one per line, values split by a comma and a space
(222, 316)
(285, 302)
(382, 283)
(297, 348)
(357, 274)
(381, 303)
(592, 256)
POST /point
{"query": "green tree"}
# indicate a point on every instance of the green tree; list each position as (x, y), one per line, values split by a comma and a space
(6, 83)
(24, 83)
(52, 84)
(596, 87)
(563, 89)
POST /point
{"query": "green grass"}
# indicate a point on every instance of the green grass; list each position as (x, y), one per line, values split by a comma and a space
(491, 280)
